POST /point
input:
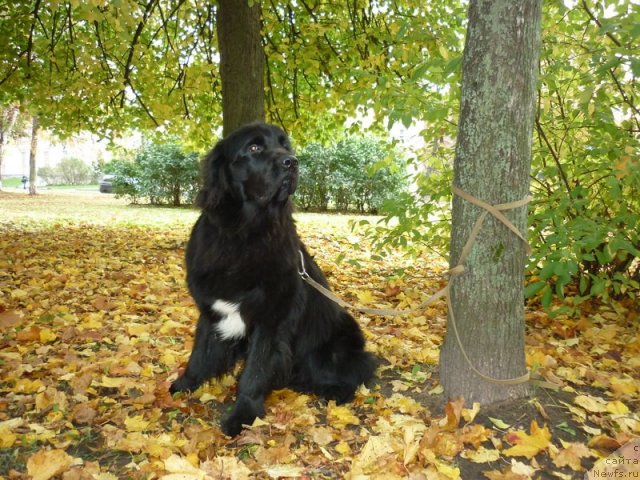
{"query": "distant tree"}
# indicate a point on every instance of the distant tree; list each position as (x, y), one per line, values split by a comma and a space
(355, 174)
(314, 184)
(33, 151)
(73, 171)
(492, 163)
(162, 173)
(8, 117)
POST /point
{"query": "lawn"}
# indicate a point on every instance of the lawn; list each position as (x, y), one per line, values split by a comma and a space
(95, 322)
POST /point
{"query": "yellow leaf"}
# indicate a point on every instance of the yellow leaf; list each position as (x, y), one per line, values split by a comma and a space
(528, 445)
(47, 336)
(92, 321)
(18, 294)
(365, 296)
(591, 404)
(168, 359)
(482, 455)
(226, 467)
(617, 407)
(259, 422)
(340, 416)
(177, 464)
(447, 470)
(46, 464)
(138, 329)
(136, 424)
(7, 437)
(623, 386)
(377, 447)
(286, 471)
(343, 448)
(470, 413)
(24, 385)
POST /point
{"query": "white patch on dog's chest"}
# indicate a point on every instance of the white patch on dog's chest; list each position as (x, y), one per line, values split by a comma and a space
(231, 324)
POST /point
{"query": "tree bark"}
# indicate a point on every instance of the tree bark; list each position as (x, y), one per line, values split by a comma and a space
(492, 163)
(241, 62)
(35, 126)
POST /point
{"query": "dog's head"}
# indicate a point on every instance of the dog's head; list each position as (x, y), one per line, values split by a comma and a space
(253, 165)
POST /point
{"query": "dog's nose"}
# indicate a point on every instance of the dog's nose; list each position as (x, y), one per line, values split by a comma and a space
(290, 162)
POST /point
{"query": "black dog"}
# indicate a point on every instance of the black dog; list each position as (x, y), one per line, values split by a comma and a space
(243, 264)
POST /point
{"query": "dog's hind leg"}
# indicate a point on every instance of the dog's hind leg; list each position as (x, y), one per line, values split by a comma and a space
(335, 369)
(210, 357)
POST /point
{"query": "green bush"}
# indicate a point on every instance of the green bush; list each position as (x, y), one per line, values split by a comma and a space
(70, 171)
(163, 174)
(356, 174)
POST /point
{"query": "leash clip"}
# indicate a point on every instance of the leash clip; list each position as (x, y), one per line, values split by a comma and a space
(302, 271)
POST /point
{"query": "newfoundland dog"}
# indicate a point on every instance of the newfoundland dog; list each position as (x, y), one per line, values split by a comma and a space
(244, 260)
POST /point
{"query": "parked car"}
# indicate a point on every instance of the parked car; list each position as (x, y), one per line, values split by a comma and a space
(106, 184)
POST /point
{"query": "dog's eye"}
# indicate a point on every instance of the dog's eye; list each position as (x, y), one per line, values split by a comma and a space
(255, 148)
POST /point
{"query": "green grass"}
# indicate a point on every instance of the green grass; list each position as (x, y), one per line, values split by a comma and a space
(16, 182)
(90, 187)
(88, 206)
(13, 182)
(54, 206)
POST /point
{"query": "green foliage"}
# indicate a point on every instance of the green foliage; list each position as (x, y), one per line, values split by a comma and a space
(70, 171)
(585, 218)
(79, 65)
(355, 174)
(586, 173)
(164, 174)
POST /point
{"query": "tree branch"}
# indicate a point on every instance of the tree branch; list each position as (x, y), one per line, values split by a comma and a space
(554, 155)
(136, 37)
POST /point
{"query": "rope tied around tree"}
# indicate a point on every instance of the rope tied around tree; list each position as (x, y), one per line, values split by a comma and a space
(458, 270)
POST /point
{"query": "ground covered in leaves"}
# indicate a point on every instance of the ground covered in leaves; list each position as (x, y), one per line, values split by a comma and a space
(95, 322)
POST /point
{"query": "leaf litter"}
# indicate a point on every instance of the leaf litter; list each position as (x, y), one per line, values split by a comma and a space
(95, 322)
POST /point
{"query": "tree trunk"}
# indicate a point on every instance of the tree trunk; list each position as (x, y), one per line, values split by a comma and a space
(32, 156)
(241, 62)
(492, 163)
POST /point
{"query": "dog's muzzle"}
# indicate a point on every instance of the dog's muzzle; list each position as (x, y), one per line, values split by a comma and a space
(290, 162)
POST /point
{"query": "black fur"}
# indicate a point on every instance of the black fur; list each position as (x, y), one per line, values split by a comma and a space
(244, 249)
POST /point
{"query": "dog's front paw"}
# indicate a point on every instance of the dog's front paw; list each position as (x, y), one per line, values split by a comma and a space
(184, 384)
(234, 423)
(245, 412)
(340, 393)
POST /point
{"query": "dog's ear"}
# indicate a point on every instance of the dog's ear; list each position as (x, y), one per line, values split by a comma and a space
(214, 177)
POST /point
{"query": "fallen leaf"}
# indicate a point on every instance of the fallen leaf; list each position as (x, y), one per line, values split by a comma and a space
(226, 468)
(499, 423)
(340, 416)
(571, 456)
(136, 424)
(9, 319)
(591, 404)
(46, 464)
(528, 445)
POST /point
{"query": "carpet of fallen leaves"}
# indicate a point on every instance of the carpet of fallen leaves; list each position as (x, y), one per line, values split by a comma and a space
(95, 322)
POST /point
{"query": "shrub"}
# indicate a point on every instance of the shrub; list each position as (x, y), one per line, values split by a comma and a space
(164, 174)
(74, 171)
(70, 171)
(356, 174)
